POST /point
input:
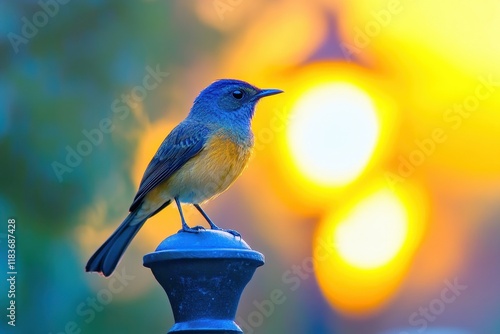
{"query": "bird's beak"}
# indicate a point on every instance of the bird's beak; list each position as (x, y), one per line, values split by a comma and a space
(266, 92)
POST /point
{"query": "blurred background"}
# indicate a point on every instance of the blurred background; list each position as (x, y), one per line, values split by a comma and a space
(373, 191)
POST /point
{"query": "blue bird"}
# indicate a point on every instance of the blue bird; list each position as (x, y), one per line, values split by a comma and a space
(198, 160)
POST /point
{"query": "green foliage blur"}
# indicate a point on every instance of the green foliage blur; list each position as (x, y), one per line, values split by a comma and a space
(54, 85)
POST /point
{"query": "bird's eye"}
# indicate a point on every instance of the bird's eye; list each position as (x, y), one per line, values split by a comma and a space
(238, 94)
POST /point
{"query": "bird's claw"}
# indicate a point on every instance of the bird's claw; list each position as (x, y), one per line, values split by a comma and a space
(233, 232)
(195, 229)
(199, 228)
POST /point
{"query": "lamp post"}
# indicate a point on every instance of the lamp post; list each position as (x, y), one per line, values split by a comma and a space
(204, 275)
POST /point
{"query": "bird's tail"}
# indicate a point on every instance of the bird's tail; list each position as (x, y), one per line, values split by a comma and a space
(106, 258)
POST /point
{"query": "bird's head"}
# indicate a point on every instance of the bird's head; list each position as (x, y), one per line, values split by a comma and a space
(228, 102)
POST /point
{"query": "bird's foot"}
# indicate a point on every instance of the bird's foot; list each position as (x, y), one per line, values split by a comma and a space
(233, 232)
(195, 229)
(212, 224)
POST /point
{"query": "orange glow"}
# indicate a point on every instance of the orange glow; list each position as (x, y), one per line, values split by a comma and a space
(278, 38)
(465, 36)
(445, 75)
(363, 249)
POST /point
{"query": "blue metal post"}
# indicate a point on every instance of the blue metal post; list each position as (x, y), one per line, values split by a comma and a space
(204, 275)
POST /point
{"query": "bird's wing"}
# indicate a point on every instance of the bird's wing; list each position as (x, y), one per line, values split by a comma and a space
(183, 143)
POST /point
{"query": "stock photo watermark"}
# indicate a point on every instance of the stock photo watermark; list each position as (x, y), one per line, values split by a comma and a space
(291, 279)
(87, 310)
(31, 27)
(94, 137)
(430, 312)
(453, 119)
(364, 35)
(277, 124)
(224, 6)
(11, 272)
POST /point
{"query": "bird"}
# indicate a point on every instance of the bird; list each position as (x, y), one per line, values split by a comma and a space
(199, 159)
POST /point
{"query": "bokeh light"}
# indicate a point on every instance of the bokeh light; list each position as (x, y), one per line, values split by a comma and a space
(373, 233)
(363, 248)
(340, 127)
(333, 133)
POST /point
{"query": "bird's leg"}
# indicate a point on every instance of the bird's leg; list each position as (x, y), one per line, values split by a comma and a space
(210, 222)
(185, 226)
(212, 225)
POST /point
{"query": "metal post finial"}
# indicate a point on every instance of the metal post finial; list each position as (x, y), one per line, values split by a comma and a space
(204, 275)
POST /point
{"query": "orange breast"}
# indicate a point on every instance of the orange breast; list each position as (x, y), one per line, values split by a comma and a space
(218, 165)
(206, 175)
